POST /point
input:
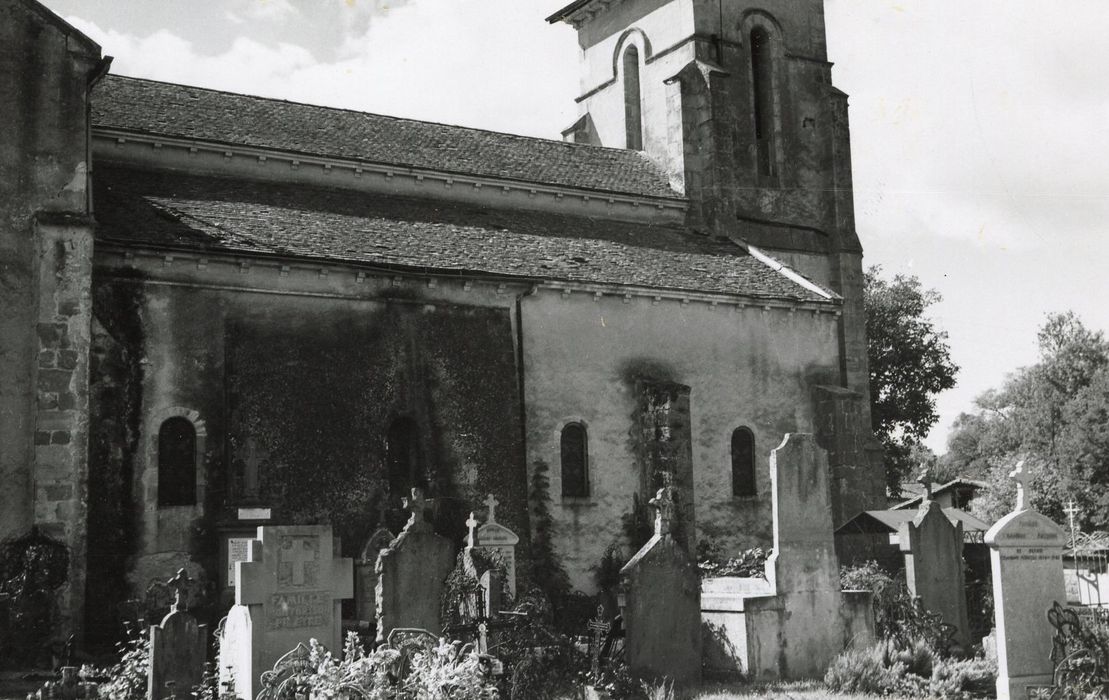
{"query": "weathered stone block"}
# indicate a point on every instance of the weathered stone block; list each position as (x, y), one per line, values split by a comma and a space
(54, 380)
(67, 359)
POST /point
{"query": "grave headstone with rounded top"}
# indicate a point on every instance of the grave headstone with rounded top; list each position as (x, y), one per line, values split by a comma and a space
(177, 647)
(494, 537)
(1026, 551)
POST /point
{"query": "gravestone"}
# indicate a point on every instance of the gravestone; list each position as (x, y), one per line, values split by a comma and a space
(660, 598)
(795, 631)
(411, 573)
(365, 568)
(494, 537)
(1026, 550)
(177, 648)
(933, 549)
(288, 592)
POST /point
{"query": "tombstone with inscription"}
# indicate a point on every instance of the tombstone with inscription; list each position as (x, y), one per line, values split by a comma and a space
(494, 537)
(1026, 551)
(365, 568)
(177, 648)
(933, 549)
(288, 592)
(411, 573)
(660, 598)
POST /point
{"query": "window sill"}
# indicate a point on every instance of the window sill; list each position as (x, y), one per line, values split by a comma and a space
(578, 501)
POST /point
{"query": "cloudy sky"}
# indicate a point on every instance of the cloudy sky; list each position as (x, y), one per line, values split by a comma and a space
(980, 128)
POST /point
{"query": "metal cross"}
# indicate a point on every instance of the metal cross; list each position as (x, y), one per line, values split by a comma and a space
(179, 583)
(1024, 493)
(1071, 510)
(471, 523)
(491, 503)
(599, 626)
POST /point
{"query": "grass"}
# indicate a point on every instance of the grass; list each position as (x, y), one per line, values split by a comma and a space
(793, 690)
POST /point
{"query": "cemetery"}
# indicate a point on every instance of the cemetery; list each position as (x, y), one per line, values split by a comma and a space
(422, 616)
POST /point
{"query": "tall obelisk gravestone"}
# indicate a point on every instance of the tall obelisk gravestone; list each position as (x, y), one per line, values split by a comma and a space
(1026, 551)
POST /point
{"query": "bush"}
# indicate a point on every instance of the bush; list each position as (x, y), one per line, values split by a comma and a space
(897, 615)
(126, 680)
(913, 669)
(749, 563)
(32, 568)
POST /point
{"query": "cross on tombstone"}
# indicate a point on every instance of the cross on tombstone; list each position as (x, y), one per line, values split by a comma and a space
(1024, 493)
(471, 523)
(664, 503)
(179, 583)
(253, 456)
(599, 626)
(298, 557)
(491, 503)
(416, 503)
(926, 482)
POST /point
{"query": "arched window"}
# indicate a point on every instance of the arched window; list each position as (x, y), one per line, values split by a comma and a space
(402, 448)
(177, 462)
(575, 461)
(762, 88)
(633, 111)
(743, 463)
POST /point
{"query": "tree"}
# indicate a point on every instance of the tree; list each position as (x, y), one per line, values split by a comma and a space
(910, 364)
(1054, 415)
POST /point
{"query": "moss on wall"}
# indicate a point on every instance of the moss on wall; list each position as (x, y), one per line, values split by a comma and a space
(115, 401)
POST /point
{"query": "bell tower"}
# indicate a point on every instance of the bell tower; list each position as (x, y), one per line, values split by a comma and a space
(733, 100)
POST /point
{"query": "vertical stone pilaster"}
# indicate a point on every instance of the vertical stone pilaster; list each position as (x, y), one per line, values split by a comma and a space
(60, 476)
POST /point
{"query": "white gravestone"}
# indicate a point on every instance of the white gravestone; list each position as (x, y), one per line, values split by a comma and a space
(494, 537)
(1026, 553)
(288, 592)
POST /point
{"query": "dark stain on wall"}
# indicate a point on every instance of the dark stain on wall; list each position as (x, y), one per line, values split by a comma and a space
(115, 401)
(317, 393)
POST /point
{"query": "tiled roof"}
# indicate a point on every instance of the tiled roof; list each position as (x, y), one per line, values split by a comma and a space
(888, 521)
(167, 109)
(239, 216)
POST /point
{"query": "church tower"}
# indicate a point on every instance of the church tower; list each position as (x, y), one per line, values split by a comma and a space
(733, 100)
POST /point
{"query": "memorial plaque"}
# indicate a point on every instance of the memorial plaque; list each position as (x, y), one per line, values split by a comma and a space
(238, 549)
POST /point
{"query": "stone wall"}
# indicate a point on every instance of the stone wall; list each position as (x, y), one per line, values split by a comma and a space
(303, 372)
(583, 357)
(45, 256)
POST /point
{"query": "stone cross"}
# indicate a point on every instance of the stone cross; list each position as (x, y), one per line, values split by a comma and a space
(179, 583)
(471, 523)
(599, 626)
(298, 553)
(926, 482)
(1024, 493)
(664, 502)
(416, 503)
(491, 503)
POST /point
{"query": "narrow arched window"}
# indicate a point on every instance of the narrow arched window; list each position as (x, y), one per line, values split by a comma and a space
(762, 86)
(633, 111)
(575, 461)
(743, 463)
(177, 463)
(402, 447)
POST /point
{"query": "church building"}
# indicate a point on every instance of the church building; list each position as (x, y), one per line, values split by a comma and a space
(219, 310)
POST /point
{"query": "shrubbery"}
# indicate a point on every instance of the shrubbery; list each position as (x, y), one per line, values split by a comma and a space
(749, 563)
(914, 669)
(914, 657)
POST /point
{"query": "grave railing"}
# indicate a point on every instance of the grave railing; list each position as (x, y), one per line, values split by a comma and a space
(1080, 651)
